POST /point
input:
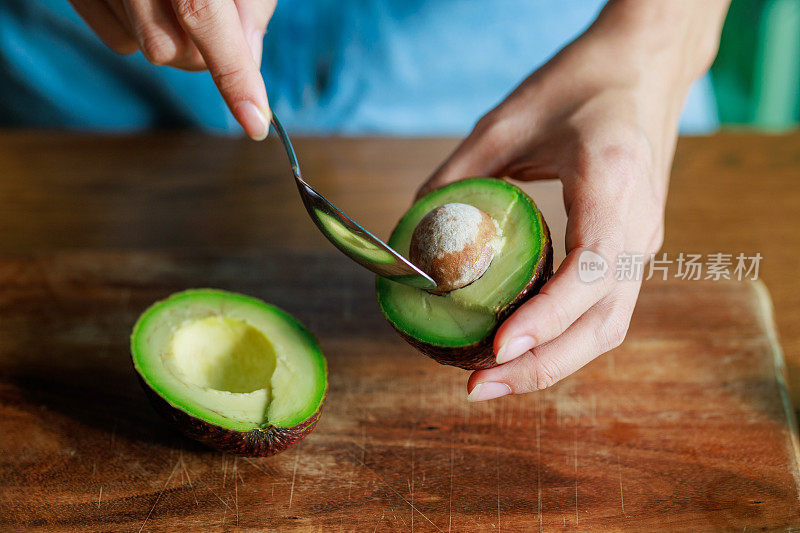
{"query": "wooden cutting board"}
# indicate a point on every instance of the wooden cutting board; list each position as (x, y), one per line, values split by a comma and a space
(685, 426)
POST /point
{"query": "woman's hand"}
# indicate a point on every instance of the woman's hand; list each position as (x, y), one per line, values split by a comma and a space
(602, 117)
(224, 36)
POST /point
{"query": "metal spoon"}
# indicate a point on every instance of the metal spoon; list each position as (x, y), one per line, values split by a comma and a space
(347, 235)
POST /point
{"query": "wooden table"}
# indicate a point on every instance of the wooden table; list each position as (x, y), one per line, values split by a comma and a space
(729, 193)
(94, 228)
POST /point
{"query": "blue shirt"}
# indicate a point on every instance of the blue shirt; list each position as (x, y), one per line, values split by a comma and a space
(395, 67)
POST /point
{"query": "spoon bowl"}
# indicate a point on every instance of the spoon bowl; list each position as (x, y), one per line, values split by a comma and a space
(349, 236)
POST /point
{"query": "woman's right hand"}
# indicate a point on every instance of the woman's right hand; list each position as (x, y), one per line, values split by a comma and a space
(223, 36)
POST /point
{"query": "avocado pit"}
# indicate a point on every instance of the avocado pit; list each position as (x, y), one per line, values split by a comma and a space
(486, 244)
(454, 244)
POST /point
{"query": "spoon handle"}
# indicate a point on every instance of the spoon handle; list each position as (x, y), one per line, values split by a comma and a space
(287, 145)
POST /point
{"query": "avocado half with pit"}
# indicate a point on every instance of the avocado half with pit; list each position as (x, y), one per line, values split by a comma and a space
(457, 327)
(231, 371)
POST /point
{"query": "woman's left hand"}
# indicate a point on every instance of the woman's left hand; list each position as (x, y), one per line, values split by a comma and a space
(602, 117)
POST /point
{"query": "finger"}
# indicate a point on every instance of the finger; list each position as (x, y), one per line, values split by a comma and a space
(254, 16)
(192, 59)
(160, 36)
(594, 240)
(102, 20)
(548, 314)
(216, 30)
(118, 8)
(599, 330)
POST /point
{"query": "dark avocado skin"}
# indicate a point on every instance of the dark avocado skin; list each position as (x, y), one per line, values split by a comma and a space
(259, 442)
(480, 355)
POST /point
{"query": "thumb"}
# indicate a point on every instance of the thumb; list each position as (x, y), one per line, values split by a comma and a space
(481, 153)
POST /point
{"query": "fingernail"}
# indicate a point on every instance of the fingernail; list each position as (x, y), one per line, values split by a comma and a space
(253, 120)
(488, 390)
(514, 348)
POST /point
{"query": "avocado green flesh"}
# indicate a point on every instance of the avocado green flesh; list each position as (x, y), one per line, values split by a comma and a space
(352, 243)
(230, 360)
(467, 315)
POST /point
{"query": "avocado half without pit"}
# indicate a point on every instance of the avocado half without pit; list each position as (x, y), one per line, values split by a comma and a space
(487, 246)
(231, 371)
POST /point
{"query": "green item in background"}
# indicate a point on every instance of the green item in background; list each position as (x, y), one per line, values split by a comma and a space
(756, 74)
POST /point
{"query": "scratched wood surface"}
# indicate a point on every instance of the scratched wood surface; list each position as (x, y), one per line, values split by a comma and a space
(680, 428)
(730, 192)
(683, 427)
